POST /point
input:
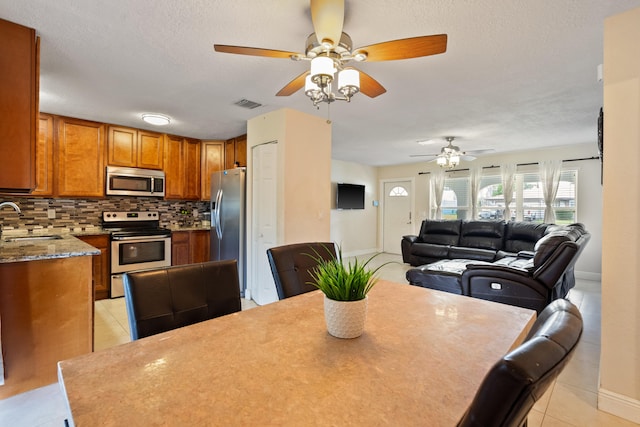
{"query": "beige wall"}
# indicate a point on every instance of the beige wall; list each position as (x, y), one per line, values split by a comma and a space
(355, 230)
(619, 391)
(589, 195)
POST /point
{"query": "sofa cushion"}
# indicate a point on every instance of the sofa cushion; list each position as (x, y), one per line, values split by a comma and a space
(482, 234)
(440, 232)
(429, 250)
(476, 254)
(522, 236)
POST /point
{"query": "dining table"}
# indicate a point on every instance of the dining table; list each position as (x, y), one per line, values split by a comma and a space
(420, 361)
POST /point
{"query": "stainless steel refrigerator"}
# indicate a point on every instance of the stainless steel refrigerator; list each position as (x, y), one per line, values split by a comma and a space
(228, 219)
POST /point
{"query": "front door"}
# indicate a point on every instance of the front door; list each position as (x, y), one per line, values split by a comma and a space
(398, 217)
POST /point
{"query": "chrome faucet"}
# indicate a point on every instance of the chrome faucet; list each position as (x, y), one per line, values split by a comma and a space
(11, 204)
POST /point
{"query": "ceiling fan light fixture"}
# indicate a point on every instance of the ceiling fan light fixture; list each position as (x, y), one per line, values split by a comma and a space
(310, 88)
(349, 82)
(322, 70)
(156, 119)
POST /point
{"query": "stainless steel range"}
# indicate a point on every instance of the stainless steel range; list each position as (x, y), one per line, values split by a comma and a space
(137, 243)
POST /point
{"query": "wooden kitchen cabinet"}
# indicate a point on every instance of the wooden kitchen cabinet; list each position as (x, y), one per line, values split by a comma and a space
(235, 150)
(192, 169)
(189, 246)
(212, 160)
(101, 265)
(200, 245)
(182, 168)
(79, 154)
(180, 250)
(134, 148)
(44, 157)
(19, 55)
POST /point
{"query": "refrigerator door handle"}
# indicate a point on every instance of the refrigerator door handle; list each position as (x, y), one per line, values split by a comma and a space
(218, 206)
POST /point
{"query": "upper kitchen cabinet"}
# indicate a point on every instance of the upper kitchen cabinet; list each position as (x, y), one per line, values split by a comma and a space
(235, 150)
(212, 160)
(80, 158)
(44, 157)
(182, 168)
(19, 54)
(134, 148)
(192, 169)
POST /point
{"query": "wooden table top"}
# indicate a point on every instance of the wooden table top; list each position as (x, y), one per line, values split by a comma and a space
(419, 362)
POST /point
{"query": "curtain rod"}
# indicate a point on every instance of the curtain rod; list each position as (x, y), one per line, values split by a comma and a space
(519, 164)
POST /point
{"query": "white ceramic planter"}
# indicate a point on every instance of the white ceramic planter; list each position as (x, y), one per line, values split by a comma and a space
(345, 319)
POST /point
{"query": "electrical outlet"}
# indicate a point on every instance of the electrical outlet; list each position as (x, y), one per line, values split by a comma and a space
(51, 213)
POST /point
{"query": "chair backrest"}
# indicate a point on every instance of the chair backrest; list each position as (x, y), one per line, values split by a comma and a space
(519, 379)
(291, 265)
(163, 299)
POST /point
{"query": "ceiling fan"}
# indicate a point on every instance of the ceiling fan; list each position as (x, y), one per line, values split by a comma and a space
(451, 155)
(335, 49)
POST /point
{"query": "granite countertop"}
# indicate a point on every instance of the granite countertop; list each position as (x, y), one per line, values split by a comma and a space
(66, 246)
(32, 250)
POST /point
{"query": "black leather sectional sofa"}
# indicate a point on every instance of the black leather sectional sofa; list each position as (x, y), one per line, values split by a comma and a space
(519, 263)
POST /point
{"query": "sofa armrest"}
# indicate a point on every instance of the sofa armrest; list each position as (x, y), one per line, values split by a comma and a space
(508, 285)
(410, 239)
(405, 246)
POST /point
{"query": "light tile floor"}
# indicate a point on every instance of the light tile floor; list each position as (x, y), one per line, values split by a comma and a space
(570, 401)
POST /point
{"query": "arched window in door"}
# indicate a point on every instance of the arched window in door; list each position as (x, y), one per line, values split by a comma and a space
(398, 192)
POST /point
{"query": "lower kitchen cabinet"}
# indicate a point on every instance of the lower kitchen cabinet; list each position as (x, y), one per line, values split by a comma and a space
(101, 264)
(200, 244)
(188, 247)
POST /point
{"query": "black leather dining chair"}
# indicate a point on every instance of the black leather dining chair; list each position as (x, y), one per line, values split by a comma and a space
(519, 379)
(291, 265)
(163, 299)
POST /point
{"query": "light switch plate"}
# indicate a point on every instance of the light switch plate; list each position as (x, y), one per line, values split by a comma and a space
(51, 213)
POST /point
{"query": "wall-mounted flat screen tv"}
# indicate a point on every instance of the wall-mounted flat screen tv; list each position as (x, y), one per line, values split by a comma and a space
(349, 196)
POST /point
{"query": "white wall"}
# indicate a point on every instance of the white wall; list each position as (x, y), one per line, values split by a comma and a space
(589, 195)
(355, 230)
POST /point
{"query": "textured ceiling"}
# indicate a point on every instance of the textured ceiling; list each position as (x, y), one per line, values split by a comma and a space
(517, 74)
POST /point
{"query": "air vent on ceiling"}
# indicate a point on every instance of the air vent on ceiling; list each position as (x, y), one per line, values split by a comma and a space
(245, 103)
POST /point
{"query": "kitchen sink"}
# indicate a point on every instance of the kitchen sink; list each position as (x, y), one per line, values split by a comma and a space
(32, 238)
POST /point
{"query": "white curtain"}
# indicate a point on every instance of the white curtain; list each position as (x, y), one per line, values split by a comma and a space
(475, 174)
(550, 177)
(508, 173)
(437, 189)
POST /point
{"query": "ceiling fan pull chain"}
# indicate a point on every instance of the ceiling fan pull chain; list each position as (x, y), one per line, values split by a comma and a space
(329, 113)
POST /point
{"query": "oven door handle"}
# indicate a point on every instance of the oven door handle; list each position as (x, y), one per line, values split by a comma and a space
(140, 238)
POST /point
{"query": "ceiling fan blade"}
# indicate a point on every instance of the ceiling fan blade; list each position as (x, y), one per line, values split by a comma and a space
(293, 86)
(474, 152)
(328, 18)
(370, 86)
(467, 158)
(413, 47)
(253, 51)
(423, 155)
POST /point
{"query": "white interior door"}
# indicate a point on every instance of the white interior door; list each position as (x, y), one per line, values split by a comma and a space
(264, 221)
(397, 218)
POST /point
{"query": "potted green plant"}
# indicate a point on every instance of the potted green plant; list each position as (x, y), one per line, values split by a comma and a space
(345, 287)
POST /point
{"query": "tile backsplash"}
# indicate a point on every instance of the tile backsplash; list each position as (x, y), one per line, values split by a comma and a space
(87, 213)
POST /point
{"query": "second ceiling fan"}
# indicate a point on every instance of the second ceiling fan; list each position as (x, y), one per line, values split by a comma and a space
(330, 50)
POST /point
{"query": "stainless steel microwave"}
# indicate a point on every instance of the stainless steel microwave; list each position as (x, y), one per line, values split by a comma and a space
(122, 181)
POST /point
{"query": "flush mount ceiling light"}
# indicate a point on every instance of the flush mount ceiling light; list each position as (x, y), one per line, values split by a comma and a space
(156, 119)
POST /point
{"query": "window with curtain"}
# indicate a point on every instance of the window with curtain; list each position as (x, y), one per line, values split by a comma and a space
(455, 199)
(527, 196)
